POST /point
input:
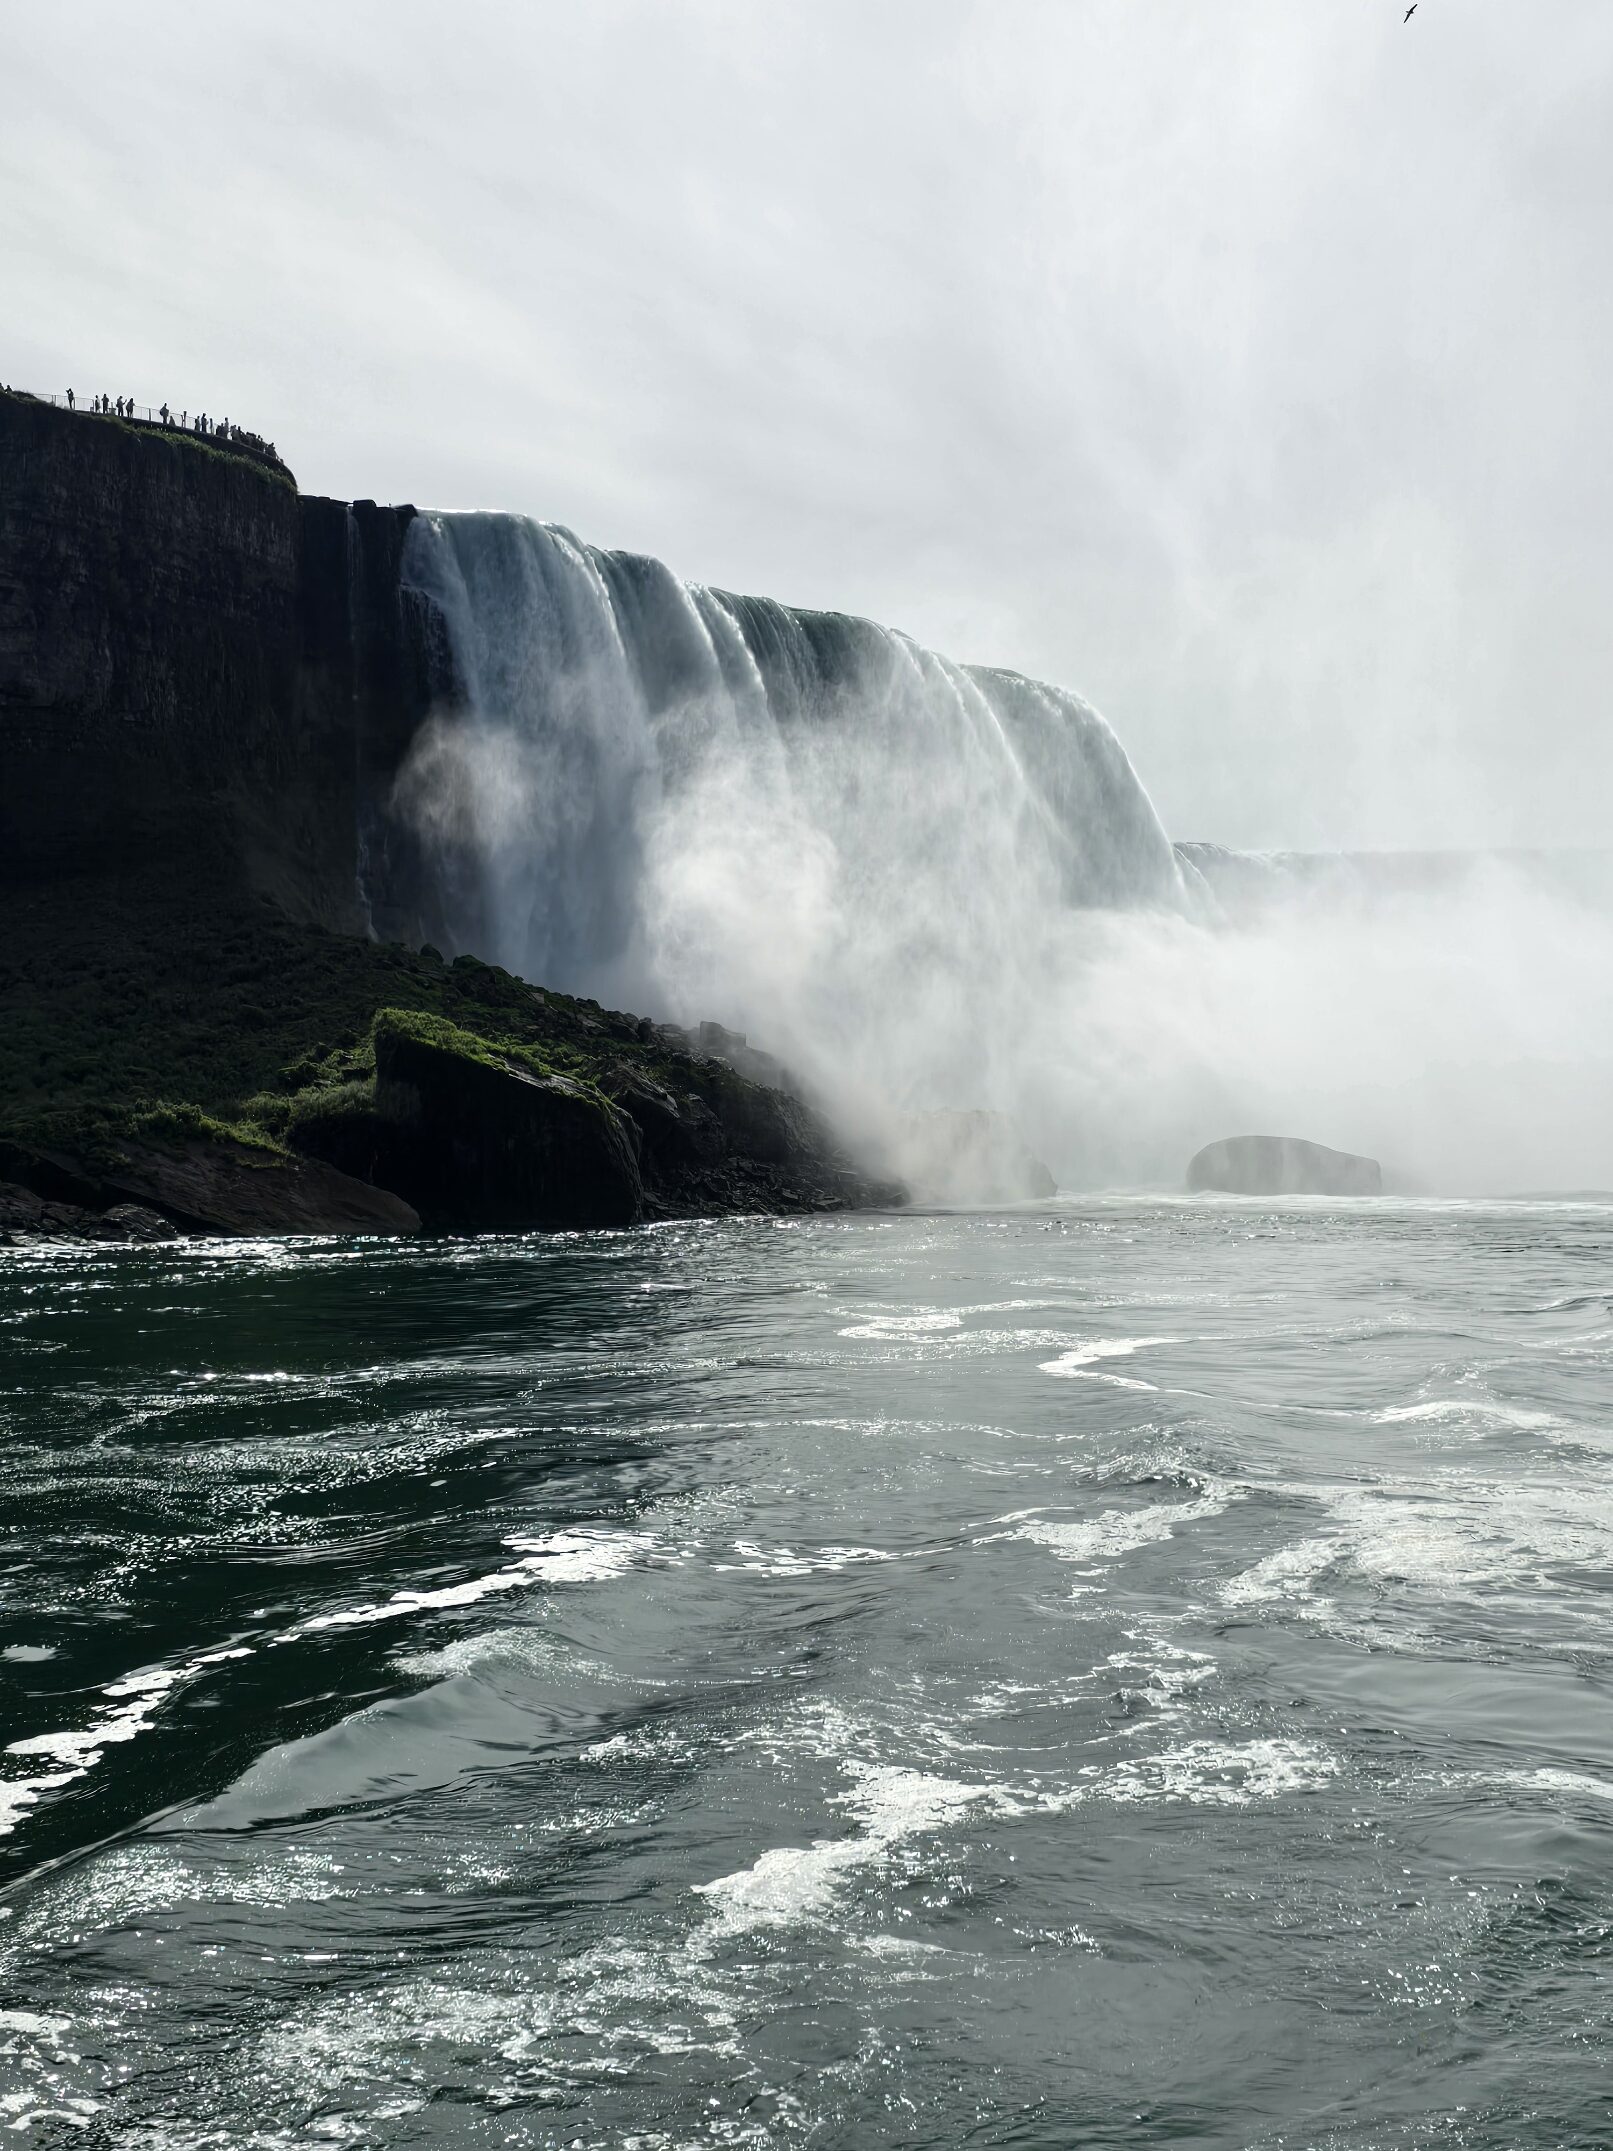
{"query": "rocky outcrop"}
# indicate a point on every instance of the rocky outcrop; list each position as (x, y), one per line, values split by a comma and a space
(483, 1133)
(1281, 1165)
(712, 1143)
(208, 1184)
(27, 1218)
(484, 1137)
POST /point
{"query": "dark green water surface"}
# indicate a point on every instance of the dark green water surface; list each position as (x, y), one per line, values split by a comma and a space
(1116, 1674)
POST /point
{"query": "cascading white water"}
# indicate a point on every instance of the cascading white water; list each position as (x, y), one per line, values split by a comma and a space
(927, 885)
(806, 825)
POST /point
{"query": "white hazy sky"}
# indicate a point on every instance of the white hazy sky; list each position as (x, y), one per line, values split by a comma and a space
(1243, 364)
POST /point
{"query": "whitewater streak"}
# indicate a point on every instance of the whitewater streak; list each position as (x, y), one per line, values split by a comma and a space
(698, 804)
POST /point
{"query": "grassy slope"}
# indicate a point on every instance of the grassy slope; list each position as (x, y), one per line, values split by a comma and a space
(127, 1004)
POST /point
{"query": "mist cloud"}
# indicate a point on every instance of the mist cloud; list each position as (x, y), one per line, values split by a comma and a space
(1242, 367)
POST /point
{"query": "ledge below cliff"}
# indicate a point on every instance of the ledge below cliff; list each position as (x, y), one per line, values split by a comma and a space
(233, 1069)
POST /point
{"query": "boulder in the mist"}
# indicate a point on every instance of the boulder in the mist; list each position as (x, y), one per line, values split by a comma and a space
(969, 1157)
(1281, 1165)
(488, 1137)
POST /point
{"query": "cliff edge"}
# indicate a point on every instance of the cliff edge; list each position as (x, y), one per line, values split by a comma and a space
(196, 661)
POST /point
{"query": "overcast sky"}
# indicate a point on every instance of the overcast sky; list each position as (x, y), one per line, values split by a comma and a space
(1243, 364)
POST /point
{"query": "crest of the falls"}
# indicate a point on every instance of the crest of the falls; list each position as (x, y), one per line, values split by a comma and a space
(699, 804)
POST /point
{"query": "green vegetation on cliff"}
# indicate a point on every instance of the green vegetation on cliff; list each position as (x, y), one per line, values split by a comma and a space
(154, 1026)
(173, 438)
(142, 1007)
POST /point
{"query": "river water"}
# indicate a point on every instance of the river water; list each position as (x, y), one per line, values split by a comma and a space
(1121, 1672)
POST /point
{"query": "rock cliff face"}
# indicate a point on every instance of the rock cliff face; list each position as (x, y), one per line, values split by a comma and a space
(195, 661)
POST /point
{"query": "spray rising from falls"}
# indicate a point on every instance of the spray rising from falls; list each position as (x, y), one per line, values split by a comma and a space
(929, 885)
(698, 804)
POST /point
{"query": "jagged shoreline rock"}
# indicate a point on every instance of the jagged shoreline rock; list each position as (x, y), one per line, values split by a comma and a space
(152, 1190)
(237, 1071)
(28, 1219)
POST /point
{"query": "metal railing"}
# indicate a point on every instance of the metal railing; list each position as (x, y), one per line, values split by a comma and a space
(224, 435)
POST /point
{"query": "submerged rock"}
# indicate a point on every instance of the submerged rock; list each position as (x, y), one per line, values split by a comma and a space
(1282, 1165)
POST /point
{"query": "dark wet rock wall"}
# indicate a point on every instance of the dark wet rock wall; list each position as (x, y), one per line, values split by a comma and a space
(197, 664)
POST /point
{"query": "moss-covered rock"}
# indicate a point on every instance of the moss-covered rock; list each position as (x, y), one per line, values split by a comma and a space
(482, 1134)
(143, 1010)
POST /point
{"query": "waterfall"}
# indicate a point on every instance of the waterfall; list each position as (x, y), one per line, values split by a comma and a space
(805, 825)
(924, 884)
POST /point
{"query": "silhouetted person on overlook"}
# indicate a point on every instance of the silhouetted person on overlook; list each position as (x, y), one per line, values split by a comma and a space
(70, 399)
(163, 414)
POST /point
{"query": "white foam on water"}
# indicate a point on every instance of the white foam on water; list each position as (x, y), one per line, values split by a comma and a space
(1171, 1675)
(131, 1881)
(561, 1557)
(893, 1328)
(985, 1307)
(33, 2025)
(1214, 1773)
(794, 1883)
(1454, 1535)
(588, 2021)
(1080, 1357)
(1118, 1532)
(1572, 1782)
(1284, 1578)
(1442, 1408)
(531, 1650)
(34, 2046)
(783, 1561)
(582, 1556)
(135, 1702)
(1093, 1374)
